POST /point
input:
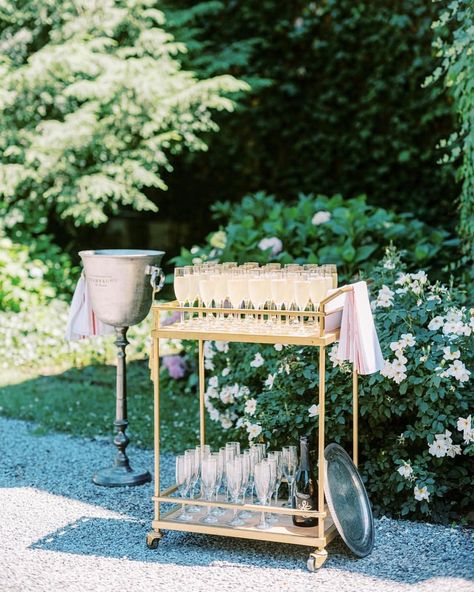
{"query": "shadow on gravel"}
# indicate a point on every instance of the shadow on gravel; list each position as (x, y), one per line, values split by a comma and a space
(125, 539)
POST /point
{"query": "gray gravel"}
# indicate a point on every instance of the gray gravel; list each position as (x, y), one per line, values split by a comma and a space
(59, 532)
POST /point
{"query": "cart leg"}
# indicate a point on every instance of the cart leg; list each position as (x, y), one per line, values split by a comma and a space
(202, 409)
(156, 412)
(316, 559)
(355, 417)
(153, 538)
(321, 461)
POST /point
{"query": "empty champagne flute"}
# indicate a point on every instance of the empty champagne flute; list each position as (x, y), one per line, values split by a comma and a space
(262, 487)
(290, 465)
(208, 479)
(183, 480)
(245, 459)
(278, 456)
(220, 456)
(234, 483)
(272, 463)
(195, 475)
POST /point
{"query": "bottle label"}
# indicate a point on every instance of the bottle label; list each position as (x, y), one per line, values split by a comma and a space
(305, 502)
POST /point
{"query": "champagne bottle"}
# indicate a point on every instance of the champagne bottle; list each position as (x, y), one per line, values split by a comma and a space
(304, 490)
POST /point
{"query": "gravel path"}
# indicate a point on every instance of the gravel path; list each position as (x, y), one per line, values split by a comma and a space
(59, 532)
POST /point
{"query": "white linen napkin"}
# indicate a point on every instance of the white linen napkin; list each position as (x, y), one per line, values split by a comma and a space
(82, 321)
(358, 342)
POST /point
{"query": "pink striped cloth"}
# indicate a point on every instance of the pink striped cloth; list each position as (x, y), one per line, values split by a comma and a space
(358, 342)
(82, 321)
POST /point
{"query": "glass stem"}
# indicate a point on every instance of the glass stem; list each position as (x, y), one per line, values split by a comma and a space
(262, 519)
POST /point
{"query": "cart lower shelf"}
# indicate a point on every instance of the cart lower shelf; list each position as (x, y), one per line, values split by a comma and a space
(280, 531)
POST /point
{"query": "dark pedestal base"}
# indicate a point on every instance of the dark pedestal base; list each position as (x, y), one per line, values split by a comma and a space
(121, 477)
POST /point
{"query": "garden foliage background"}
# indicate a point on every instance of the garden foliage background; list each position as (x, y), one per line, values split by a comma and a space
(312, 131)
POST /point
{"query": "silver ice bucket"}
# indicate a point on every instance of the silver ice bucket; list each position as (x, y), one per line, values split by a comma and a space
(119, 283)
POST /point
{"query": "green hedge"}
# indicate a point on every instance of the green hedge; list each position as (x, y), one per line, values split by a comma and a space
(337, 104)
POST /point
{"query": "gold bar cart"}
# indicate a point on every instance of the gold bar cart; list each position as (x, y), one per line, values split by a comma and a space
(326, 332)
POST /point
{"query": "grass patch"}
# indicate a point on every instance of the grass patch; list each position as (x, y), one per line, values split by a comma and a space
(82, 402)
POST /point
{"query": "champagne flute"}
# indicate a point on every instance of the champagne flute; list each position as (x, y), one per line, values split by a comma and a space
(262, 486)
(257, 291)
(180, 286)
(290, 465)
(183, 480)
(237, 285)
(272, 463)
(301, 287)
(220, 456)
(206, 293)
(234, 483)
(208, 480)
(195, 474)
(245, 459)
(277, 455)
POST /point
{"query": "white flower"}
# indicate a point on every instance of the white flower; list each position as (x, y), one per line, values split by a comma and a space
(243, 391)
(272, 243)
(384, 297)
(214, 381)
(453, 449)
(278, 346)
(250, 406)
(225, 422)
(453, 328)
(226, 371)
(464, 423)
(449, 355)
(405, 470)
(403, 278)
(254, 430)
(321, 218)
(270, 380)
(387, 370)
(389, 264)
(438, 448)
(396, 346)
(421, 493)
(194, 250)
(436, 323)
(454, 315)
(214, 414)
(208, 364)
(218, 240)
(313, 411)
(407, 339)
(420, 276)
(208, 350)
(398, 365)
(399, 377)
(468, 436)
(226, 396)
(212, 393)
(221, 346)
(257, 361)
(459, 371)
(400, 357)
(240, 422)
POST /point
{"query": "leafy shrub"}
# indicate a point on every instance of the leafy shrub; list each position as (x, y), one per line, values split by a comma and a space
(337, 102)
(349, 233)
(453, 44)
(92, 103)
(415, 427)
(32, 275)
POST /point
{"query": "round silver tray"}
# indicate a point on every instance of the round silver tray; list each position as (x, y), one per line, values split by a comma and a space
(348, 502)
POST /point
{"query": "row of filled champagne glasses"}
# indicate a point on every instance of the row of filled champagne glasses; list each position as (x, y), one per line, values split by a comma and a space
(236, 475)
(254, 288)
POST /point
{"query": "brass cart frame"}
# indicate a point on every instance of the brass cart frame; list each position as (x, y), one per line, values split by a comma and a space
(284, 532)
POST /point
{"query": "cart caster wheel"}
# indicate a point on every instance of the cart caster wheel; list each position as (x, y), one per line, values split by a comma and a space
(316, 560)
(153, 540)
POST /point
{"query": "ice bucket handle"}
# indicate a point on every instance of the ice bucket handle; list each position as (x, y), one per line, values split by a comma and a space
(157, 279)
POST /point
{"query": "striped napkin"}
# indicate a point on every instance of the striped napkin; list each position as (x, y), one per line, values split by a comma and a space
(82, 321)
(358, 342)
